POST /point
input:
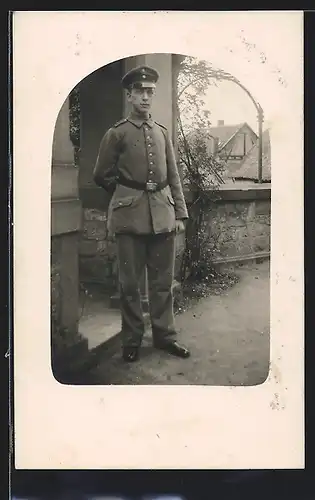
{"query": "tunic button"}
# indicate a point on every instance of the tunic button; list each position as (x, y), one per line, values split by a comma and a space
(151, 162)
(150, 154)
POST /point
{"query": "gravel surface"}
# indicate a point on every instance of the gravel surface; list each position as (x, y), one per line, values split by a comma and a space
(227, 333)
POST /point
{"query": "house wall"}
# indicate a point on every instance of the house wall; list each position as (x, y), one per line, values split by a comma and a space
(236, 147)
(65, 230)
(101, 102)
(240, 145)
(102, 105)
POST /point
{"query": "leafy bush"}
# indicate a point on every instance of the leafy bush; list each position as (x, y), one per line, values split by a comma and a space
(202, 170)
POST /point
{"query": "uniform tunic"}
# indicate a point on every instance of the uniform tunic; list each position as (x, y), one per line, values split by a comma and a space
(140, 150)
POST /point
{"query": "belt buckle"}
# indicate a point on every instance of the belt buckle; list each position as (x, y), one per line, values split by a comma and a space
(151, 186)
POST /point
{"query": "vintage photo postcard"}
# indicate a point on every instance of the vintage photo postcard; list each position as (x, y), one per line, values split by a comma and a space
(158, 239)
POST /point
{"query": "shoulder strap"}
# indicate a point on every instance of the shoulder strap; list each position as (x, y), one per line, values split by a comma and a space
(160, 125)
(124, 120)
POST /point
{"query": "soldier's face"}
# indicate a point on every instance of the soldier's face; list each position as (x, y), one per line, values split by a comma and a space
(141, 99)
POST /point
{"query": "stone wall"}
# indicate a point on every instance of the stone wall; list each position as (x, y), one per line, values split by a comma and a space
(97, 253)
(240, 228)
(55, 292)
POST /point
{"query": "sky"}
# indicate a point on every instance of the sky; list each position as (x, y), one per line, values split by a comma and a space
(230, 103)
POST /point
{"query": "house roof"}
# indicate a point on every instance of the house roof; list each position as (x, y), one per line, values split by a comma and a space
(249, 166)
(226, 132)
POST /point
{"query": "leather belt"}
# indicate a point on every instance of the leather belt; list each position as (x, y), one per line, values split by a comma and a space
(150, 186)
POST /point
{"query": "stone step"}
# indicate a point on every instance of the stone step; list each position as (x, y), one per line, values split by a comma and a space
(99, 328)
(102, 326)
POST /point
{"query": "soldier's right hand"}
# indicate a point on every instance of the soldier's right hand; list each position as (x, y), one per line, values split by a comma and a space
(111, 236)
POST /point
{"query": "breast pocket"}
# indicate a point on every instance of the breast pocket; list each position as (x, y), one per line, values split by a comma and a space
(125, 212)
(128, 201)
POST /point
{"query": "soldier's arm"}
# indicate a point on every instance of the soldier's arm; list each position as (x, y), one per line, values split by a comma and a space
(104, 173)
(174, 181)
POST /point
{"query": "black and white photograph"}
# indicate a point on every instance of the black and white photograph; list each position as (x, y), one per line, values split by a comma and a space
(158, 239)
(161, 209)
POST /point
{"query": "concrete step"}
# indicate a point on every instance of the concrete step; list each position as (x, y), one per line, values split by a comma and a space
(100, 320)
(102, 326)
(99, 327)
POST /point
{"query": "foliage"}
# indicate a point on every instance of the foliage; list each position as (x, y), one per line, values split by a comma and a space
(75, 122)
(194, 78)
(202, 169)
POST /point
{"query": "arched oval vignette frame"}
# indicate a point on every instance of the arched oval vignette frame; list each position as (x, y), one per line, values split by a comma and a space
(89, 78)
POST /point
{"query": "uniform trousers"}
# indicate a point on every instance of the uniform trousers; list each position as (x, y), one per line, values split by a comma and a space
(157, 252)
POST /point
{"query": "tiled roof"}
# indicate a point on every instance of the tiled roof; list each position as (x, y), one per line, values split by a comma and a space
(226, 132)
(249, 166)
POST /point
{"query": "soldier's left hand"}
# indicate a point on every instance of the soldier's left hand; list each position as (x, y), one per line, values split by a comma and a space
(179, 226)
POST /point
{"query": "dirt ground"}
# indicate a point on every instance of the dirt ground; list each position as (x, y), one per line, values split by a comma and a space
(228, 335)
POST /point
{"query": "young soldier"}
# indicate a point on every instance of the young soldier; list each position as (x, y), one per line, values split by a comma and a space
(136, 164)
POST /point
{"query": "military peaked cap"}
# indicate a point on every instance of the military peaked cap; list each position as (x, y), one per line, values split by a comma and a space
(142, 76)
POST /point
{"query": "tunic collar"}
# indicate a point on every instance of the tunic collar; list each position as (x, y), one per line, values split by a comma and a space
(138, 120)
